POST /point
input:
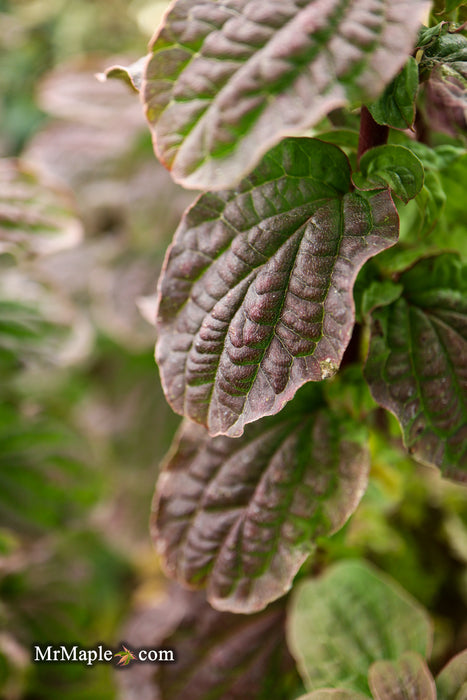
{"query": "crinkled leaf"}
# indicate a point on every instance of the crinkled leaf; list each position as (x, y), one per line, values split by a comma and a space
(351, 616)
(451, 682)
(390, 166)
(35, 218)
(217, 655)
(408, 678)
(227, 80)
(256, 290)
(396, 106)
(417, 362)
(445, 62)
(239, 516)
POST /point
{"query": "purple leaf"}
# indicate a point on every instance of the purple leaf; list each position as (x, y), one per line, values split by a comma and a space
(408, 678)
(256, 290)
(239, 516)
(227, 80)
(417, 362)
(218, 656)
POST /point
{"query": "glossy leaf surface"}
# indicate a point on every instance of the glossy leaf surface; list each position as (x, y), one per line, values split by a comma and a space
(239, 516)
(391, 166)
(417, 362)
(351, 616)
(396, 106)
(256, 290)
(227, 80)
(408, 678)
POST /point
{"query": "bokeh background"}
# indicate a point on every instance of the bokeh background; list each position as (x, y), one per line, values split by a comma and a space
(86, 214)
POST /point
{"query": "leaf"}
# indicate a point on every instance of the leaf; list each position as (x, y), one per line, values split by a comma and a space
(351, 616)
(445, 63)
(218, 655)
(379, 293)
(239, 516)
(131, 75)
(390, 166)
(408, 678)
(396, 106)
(417, 362)
(35, 218)
(256, 289)
(451, 682)
(333, 694)
(227, 80)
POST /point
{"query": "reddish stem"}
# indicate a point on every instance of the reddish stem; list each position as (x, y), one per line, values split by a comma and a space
(371, 133)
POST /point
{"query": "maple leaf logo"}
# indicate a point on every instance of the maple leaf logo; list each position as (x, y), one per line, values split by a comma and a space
(126, 657)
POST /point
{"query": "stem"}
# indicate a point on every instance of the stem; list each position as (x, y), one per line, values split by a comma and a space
(371, 133)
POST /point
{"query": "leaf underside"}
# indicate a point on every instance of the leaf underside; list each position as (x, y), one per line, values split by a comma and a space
(239, 515)
(417, 363)
(255, 297)
(217, 655)
(227, 80)
(342, 622)
(408, 678)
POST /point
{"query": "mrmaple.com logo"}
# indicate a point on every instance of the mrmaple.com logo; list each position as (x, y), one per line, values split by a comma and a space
(99, 654)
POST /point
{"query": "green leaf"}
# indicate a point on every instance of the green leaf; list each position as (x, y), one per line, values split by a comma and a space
(417, 362)
(226, 81)
(396, 106)
(451, 682)
(379, 293)
(390, 166)
(240, 516)
(350, 617)
(408, 678)
(36, 218)
(256, 290)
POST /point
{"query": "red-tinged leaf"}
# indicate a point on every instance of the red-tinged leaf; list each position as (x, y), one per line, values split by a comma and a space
(239, 516)
(417, 362)
(218, 656)
(451, 682)
(408, 678)
(256, 290)
(445, 61)
(227, 80)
